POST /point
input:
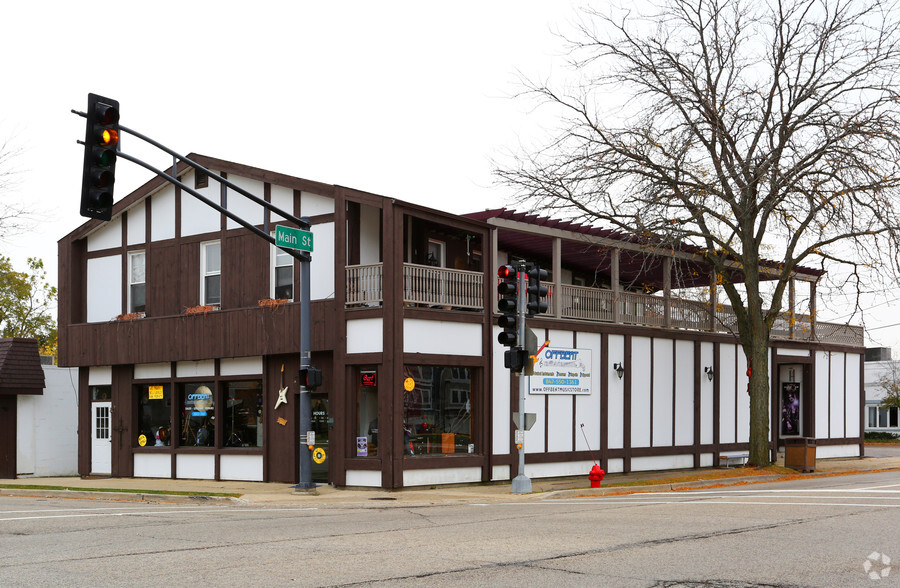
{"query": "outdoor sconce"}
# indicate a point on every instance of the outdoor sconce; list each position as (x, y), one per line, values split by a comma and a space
(620, 369)
(709, 373)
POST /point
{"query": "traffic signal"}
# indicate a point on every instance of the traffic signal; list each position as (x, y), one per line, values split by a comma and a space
(99, 170)
(508, 288)
(536, 291)
(515, 358)
(310, 378)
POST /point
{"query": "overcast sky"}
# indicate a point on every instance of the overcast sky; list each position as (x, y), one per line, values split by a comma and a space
(411, 100)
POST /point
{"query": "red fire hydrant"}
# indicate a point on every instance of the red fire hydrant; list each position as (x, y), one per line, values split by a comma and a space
(596, 476)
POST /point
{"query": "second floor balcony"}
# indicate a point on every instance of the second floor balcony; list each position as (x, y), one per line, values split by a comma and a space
(452, 289)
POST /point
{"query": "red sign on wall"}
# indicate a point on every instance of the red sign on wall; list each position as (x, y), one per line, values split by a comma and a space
(369, 379)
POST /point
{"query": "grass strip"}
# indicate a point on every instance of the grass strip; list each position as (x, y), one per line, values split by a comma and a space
(123, 490)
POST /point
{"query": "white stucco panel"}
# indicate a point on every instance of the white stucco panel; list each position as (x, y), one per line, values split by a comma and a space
(100, 375)
(441, 337)
(241, 366)
(365, 335)
(191, 369)
(314, 204)
(321, 268)
(241, 467)
(197, 217)
(162, 214)
(107, 236)
(242, 206)
(853, 395)
(137, 224)
(152, 371)
(104, 288)
(282, 198)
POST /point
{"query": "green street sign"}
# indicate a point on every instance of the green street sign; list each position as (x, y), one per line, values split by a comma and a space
(293, 238)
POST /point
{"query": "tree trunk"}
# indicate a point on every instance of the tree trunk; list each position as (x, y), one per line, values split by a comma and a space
(759, 401)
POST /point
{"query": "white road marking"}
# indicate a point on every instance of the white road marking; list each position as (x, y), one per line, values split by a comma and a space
(877, 487)
(108, 508)
(742, 502)
(152, 512)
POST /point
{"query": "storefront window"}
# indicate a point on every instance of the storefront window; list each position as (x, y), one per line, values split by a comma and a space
(198, 415)
(154, 415)
(242, 416)
(367, 413)
(437, 410)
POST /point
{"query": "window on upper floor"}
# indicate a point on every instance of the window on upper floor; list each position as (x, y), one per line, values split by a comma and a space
(211, 273)
(137, 281)
(282, 272)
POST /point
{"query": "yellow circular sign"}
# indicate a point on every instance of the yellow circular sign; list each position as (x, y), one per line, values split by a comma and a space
(319, 455)
(142, 440)
(409, 384)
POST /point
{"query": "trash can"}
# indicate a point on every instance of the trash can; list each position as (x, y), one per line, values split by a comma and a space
(800, 453)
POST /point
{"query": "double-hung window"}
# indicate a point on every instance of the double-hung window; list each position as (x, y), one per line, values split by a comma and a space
(282, 274)
(137, 281)
(211, 273)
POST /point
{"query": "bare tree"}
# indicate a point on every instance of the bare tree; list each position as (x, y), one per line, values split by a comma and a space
(13, 215)
(753, 129)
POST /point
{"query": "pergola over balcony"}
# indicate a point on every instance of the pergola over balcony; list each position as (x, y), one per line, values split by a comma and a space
(604, 260)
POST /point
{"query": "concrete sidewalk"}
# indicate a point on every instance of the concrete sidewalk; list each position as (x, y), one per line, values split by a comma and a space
(263, 493)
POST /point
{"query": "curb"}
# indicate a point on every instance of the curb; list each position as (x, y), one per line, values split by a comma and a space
(672, 487)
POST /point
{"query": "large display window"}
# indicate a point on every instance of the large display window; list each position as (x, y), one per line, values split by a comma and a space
(242, 422)
(437, 410)
(198, 415)
(154, 415)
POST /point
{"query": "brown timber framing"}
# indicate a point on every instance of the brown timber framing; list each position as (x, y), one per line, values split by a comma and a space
(170, 336)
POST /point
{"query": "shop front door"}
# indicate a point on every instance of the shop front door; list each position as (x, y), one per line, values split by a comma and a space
(321, 424)
(101, 438)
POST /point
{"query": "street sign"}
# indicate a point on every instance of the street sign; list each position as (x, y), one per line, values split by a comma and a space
(293, 238)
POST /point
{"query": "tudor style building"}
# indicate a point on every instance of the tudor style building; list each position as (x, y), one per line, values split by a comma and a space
(185, 330)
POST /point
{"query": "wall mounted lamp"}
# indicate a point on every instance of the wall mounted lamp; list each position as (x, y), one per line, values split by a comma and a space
(620, 369)
(709, 373)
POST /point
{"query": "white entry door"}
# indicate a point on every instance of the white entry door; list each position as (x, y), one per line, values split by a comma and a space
(101, 438)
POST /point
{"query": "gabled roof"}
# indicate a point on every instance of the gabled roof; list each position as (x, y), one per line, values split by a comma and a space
(586, 248)
(20, 367)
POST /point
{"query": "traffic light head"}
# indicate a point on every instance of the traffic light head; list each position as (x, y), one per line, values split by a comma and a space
(310, 377)
(508, 305)
(101, 139)
(537, 291)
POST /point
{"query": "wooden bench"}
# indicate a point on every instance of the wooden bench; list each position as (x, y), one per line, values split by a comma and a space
(735, 459)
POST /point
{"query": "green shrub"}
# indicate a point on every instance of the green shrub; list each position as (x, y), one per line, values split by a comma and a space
(882, 436)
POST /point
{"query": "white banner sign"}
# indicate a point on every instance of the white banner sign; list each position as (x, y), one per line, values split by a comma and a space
(562, 371)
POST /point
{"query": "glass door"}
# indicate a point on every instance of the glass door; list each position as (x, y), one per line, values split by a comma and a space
(321, 425)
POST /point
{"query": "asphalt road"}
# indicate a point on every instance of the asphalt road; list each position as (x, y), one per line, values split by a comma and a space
(810, 532)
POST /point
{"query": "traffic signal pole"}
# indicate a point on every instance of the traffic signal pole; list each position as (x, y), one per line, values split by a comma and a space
(97, 182)
(521, 484)
(306, 482)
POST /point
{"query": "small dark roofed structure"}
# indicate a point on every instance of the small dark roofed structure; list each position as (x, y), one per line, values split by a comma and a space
(20, 367)
(20, 373)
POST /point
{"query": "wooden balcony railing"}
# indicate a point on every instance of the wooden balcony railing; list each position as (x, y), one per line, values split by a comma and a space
(578, 302)
(425, 285)
(444, 287)
(364, 285)
(459, 289)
